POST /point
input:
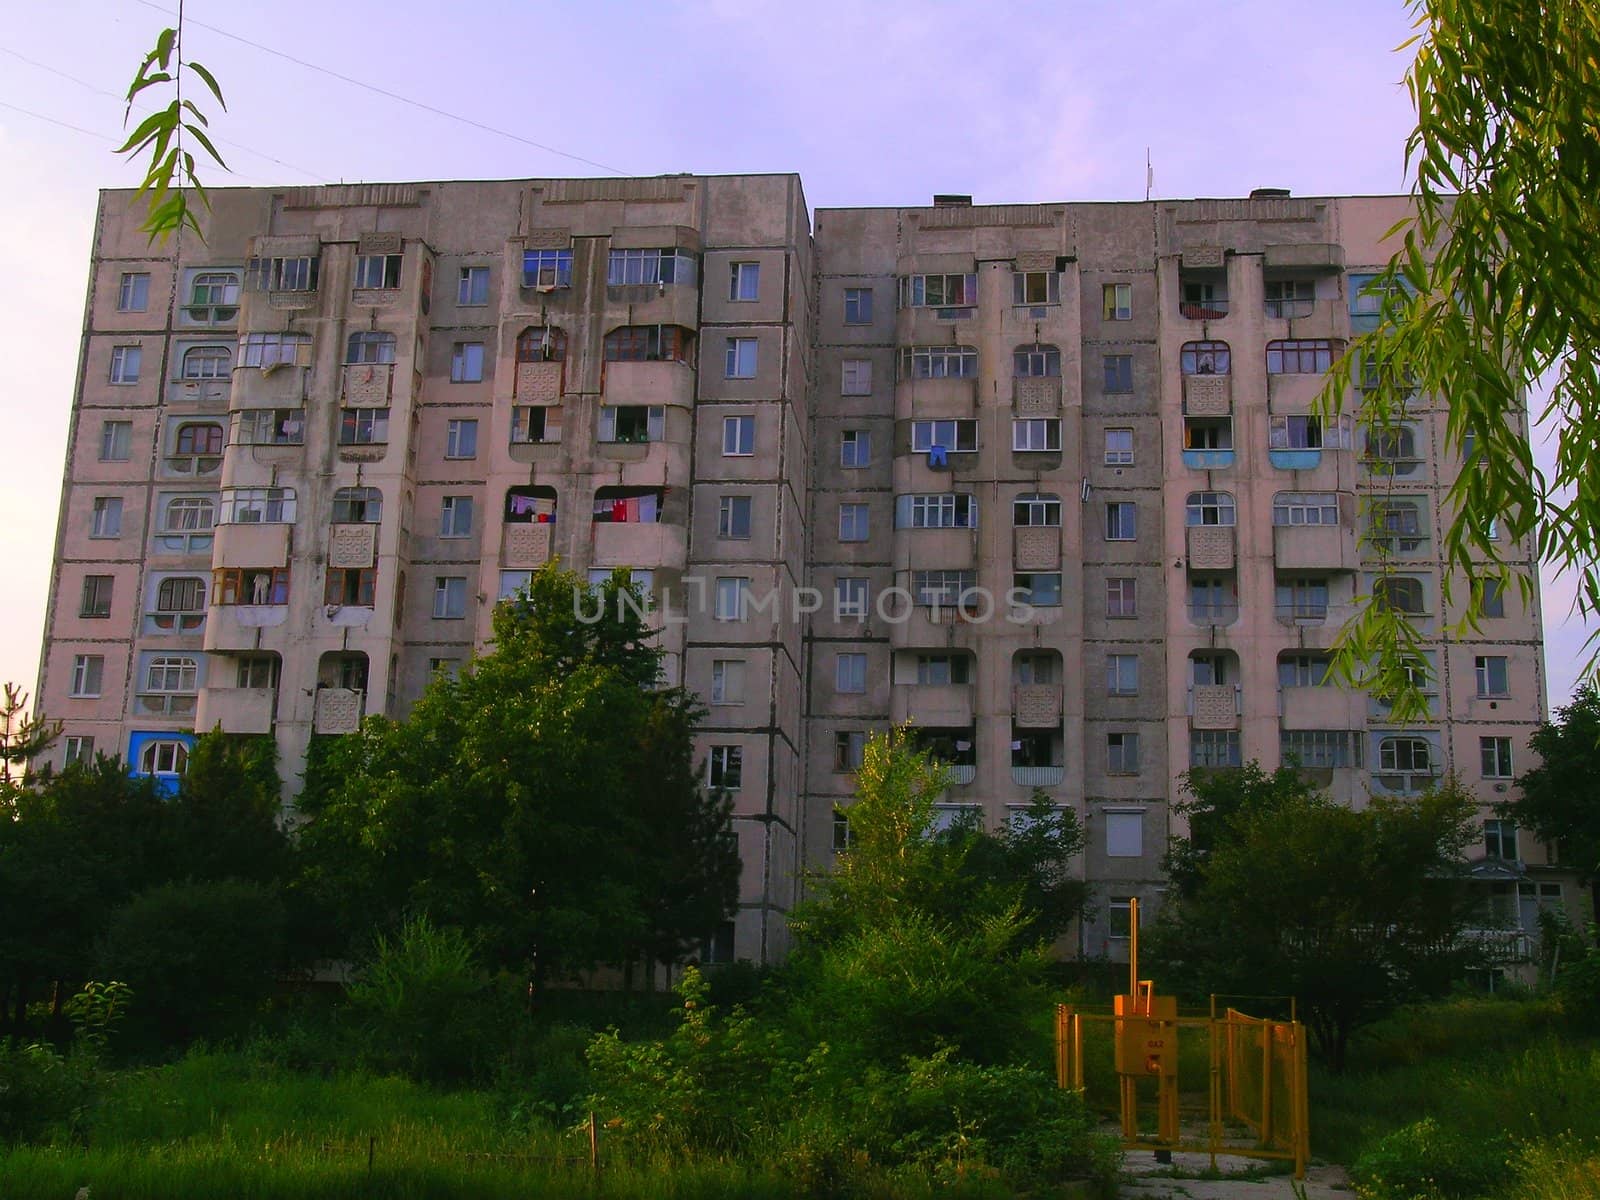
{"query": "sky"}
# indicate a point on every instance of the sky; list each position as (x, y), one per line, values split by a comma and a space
(881, 103)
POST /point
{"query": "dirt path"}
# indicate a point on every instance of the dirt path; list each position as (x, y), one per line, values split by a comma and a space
(1190, 1177)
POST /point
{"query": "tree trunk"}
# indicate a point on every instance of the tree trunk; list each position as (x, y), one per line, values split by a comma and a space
(627, 977)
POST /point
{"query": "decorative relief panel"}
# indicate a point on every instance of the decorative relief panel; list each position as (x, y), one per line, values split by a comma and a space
(1037, 706)
(1202, 257)
(379, 243)
(539, 382)
(1038, 397)
(527, 546)
(1036, 260)
(1214, 706)
(338, 710)
(1210, 547)
(548, 239)
(368, 385)
(353, 545)
(1207, 395)
(1038, 548)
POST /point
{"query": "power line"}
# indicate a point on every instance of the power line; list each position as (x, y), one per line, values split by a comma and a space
(100, 91)
(428, 108)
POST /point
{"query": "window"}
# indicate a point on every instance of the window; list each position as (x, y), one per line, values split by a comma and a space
(850, 672)
(1492, 674)
(1119, 917)
(849, 748)
(180, 604)
(106, 521)
(1492, 600)
(1029, 288)
(363, 426)
(1495, 753)
(270, 427)
(938, 362)
(1042, 589)
(466, 363)
(1289, 297)
(948, 510)
(1318, 749)
(199, 438)
(630, 268)
(95, 600)
(164, 758)
(207, 362)
(849, 598)
(1295, 432)
(1305, 508)
(377, 272)
(733, 517)
(942, 589)
(461, 439)
(744, 281)
(1122, 754)
(79, 748)
(472, 287)
(1036, 433)
(125, 364)
(449, 597)
(1119, 447)
(1302, 599)
(635, 343)
(1299, 356)
(942, 670)
(88, 673)
(727, 681)
(1116, 302)
(450, 668)
(250, 585)
(513, 582)
(726, 767)
(547, 269)
(938, 291)
(1396, 525)
(188, 514)
(953, 437)
(214, 298)
(732, 598)
(537, 424)
(1399, 594)
(855, 448)
(738, 436)
(1036, 362)
(254, 506)
(1030, 667)
(1214, 748)
(1500, 840)
(740, 362)
(1122, 598)
(271, 350)
(1302, 670)
(116, 441)
(629, 423)
(1205, 358)
(350, 587)
(1118, 372)
(297, 274)
(1122, 674)
(1209, 508)
(133, 295)
(855, 377)
(1212, 600)
(858, 306)
(172, 673)
(1392, 451)
(1032, 510)
(1405, 755)
(455, 517)
(369, 346)
(853, 522)
(1124, 834)
(1122, 521)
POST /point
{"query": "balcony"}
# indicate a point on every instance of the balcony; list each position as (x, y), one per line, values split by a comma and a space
(1289, 310)
(960, 774)
(1322, 706)
(1037, 548)
(352, 545)
(1211, 309)
(1210, 547)
(1502, 945)
(237, 710)
(280, 385)
(1302, 612)
(251, 545)
(667, 382)
(1213, 612)
(930, 398)
(1207, 395)
(540, 382)
(1038, 777)
(1036, 705)
(937, 549)
(338, 710)
(636, 544)
(1314, 548)
(192, 466)
(1295, 460)
(525, 546)
(932, 705)
(1039, 397)
(201, 393)
(368, 385)
(1208, 460)
(163, 704)
(1214, 706)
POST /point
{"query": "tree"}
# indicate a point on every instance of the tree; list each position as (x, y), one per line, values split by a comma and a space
(23, 737)
(1560, 798)
(1494, 287)
(225, 815)
(1292, 893)
(545, 801)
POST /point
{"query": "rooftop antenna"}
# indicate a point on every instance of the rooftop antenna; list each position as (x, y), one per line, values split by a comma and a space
(1149, 174)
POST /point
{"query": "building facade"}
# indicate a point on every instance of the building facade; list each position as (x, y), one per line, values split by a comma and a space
(1046, 480)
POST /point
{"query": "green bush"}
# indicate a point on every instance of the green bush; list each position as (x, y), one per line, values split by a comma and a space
(428, 1005)
(1578, 984)
(1427, 1161)
(43, 1095)
(200, 957)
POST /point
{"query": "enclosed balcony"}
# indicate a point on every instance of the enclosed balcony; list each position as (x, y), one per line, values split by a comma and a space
(933, 687)
(1036, 758)
(1207, 443)
(236, 709)
(952, 747)
(529, 526)
(1036, 691)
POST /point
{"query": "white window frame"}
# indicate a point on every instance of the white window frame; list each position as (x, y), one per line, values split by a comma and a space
(850, 672)
(455, 516)
(732, 598)
(1033, 434)
(88, 676)
(855, 377)
(466, 362)
(105, 520)
(1124, 832)
(468, 289)
(744, 282)
(855, 449)
(739, 436)
(854, 521)
(464, 429)
(742, 359)
(727, 681)
(133, 292)
(735, 517)
(126, 363)
(958, 435)
(449, 597)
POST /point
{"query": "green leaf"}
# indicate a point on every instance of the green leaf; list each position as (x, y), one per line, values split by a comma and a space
(199, 135)
(210, 81)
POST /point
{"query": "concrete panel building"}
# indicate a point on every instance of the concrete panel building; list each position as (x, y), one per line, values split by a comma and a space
(1046, 480)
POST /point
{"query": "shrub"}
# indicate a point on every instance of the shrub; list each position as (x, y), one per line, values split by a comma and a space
(42, 1094)
(1578, 984)
(1426, 1161)
(200, 957)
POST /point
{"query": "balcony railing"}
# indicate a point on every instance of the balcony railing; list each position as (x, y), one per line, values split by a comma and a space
(1502, 945)
(1214, 612)
(1290, 309)
(1043, 777)
(1203, 310)
(1302, 613)
(961, 772)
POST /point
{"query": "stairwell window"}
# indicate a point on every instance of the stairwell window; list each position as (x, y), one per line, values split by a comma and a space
(740, 362)
(745, 281)
(125, 362)
(466, 362)
(738, 436)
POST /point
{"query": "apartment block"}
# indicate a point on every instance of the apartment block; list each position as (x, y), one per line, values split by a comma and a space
(1046, 480)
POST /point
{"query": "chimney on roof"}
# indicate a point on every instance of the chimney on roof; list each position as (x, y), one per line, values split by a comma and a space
(952, 201)
(1269, 194)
